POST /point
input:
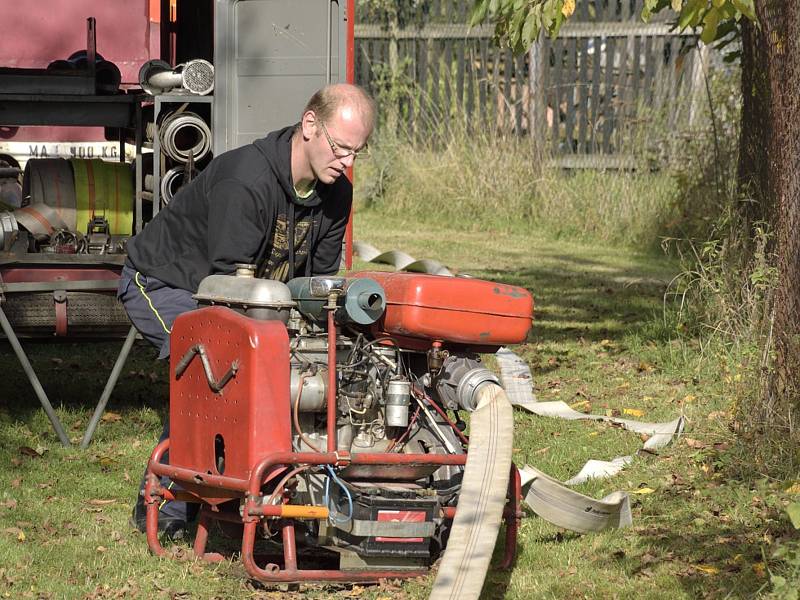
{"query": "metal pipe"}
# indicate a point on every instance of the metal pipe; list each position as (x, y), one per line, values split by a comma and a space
(513, 518)
(289, 547)
(165, 79)
(37, 387)
(289, 511)
(332, 433)
(110, 384)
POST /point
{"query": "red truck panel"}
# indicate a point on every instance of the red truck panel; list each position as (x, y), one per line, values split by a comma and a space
(46, 30)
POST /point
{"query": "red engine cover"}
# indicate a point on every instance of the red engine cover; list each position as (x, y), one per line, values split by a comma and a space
(455, 310)
(251, 413)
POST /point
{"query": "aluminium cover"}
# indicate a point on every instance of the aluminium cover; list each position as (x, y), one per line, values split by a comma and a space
(270, 57)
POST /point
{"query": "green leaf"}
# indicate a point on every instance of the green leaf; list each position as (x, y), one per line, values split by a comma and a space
(717, 3)
(530, 30)
(746, 8)
(550, 11)
(710, 24)
(515, 29)
(478, 12)
(793, 510)
(690, 14)
(676, 5)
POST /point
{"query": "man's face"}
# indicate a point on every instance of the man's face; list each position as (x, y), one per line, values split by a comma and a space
(332, 142)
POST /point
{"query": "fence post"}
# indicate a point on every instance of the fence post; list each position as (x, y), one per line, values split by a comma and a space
(699, 72)
(537, 109)
(394, 70)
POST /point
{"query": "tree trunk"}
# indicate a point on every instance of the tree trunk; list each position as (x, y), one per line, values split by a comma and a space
(753, 174)
(780, 41)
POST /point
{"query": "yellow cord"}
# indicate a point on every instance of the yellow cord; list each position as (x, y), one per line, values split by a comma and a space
(153, 308)
(163, 502)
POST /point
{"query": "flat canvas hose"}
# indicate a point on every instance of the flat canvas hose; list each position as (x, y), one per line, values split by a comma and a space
(482, 498)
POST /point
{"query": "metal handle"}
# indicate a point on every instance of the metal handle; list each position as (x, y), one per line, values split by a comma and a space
(215, 385)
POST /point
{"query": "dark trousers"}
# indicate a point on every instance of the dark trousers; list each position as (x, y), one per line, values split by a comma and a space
(152, 307)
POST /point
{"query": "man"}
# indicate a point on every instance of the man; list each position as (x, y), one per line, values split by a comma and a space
(280, 203)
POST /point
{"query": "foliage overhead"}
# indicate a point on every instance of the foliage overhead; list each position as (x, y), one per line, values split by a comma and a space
(518, 23)
(405, 13)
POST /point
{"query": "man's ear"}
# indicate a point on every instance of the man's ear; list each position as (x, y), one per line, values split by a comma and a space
(308, 124)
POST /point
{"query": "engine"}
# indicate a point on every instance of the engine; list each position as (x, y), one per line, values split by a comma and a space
(376, 364)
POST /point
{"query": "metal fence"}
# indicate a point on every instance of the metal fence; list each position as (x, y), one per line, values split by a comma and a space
(581, 94)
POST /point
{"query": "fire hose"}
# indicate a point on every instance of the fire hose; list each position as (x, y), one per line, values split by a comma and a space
(482, 497)
(183, 133)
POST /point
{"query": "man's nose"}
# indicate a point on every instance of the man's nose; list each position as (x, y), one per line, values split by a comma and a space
(348, 160)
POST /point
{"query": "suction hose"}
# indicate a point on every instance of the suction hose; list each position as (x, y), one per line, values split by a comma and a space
(483, 495)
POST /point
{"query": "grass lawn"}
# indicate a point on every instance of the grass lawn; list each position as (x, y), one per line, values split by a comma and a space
(598, 343)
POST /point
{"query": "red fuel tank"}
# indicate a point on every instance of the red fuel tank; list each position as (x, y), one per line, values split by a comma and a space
(456, 310)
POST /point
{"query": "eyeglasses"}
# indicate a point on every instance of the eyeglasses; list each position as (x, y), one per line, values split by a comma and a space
(342, 153)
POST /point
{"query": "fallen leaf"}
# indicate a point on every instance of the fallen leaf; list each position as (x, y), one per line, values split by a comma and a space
(692, 443)
(644, 490)
(98, 502)
(760, 570)
(689, 398)
(111, 417)
(542, 450)
(15, 483)
(645, 367)
(793, 510)
(579, 404)
(101, 548)
(16, 532)
(634, 412)
(717, 414)
(708, 569)
(793, 489)
(11, 503)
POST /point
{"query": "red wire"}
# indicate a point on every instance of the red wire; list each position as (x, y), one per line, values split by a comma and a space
(443, 414)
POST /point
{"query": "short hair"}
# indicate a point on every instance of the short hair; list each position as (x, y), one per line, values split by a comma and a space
(326, 101)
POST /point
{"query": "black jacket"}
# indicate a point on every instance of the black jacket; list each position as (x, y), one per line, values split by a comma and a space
(229, 213)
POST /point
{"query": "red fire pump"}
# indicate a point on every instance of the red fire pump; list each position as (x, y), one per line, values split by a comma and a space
(314, 414)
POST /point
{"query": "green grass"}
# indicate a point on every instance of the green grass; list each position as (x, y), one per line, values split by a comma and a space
(598, 338)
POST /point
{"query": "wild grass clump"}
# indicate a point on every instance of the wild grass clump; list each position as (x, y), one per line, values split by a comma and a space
(480, 179)
(724, 297)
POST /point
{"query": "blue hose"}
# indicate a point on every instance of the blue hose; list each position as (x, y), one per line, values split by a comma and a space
(328, 500)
